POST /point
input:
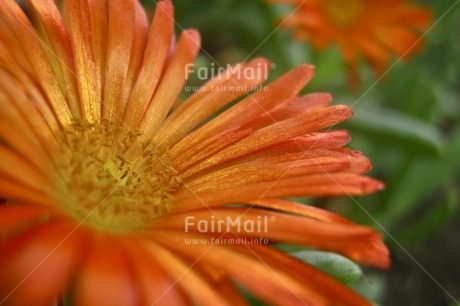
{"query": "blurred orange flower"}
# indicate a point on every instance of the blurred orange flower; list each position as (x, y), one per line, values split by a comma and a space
(373, 30)
(107, 188)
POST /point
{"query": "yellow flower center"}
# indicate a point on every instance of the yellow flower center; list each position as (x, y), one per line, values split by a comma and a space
(343, 13)
(112, 179)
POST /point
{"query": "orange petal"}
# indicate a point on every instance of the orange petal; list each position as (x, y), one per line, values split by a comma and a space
(301, 209)
(360, 243)
(311, 145)
(198, 290)
(309, 185)
(105, 276)
(12, 216)
(222, 282)
(282, 166)
(417, 17)
(377, 56)
(316, 140)
(16, 82)
(119, 47)
(336, 293)
(207, 148)
(20, 139)
(250, 173)
(59, 43)
(19, 169)
(99, 22)
(12, 15)
(26, 113)
(351, 55)
(19, 55)
(12, 189)
(156, 51)
(277, 133)
(290, 108)
(250, 108)
(36, 266)
(403, 42)
(269, 283)
(79, 27)
(140, 31)
(156, 286)
(214, 95)
(171, 83)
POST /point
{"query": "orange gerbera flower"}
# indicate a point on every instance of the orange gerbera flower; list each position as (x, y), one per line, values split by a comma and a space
(107, 186)
(373, 30)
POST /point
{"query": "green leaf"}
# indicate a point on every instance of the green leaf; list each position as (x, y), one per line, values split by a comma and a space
(432, 220)
(67, 300)
(411, 92)
(339, 267)
(391, 125)
(423, 176)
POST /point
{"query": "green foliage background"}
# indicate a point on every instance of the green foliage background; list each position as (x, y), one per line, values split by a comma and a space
(408, 124)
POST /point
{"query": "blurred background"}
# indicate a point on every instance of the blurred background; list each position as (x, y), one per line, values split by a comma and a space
(407, 123)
